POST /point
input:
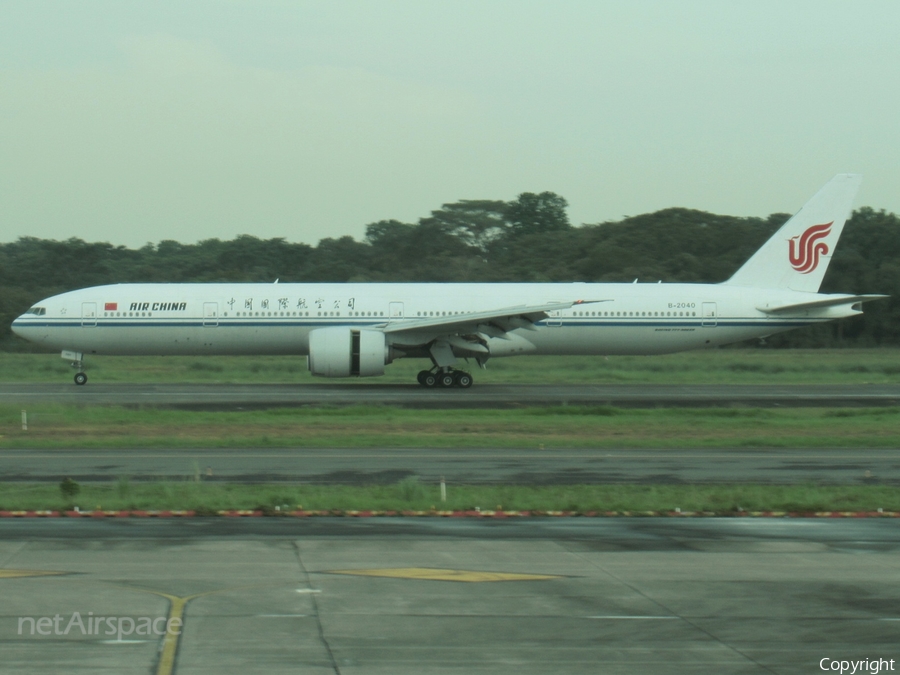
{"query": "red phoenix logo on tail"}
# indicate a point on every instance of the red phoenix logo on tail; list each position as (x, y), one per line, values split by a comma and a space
(804, 254)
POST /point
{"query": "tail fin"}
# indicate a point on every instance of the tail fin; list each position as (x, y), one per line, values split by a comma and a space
(797, 255)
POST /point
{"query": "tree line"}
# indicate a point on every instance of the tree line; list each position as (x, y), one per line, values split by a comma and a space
(529, 239)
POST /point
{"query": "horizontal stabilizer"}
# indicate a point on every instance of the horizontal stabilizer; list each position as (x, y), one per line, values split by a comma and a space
(827, 301)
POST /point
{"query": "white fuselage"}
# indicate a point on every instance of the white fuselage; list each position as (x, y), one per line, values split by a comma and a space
(160, 319)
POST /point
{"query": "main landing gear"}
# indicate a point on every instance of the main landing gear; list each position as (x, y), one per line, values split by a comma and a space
(444, 377)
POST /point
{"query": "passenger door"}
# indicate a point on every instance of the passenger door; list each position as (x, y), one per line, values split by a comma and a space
(210, 313)
(88, 313)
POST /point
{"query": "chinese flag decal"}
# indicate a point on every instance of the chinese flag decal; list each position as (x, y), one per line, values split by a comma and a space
(110, 306)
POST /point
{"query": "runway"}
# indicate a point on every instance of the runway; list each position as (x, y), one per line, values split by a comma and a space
(528, 466)
(394, 596)
(249, 396)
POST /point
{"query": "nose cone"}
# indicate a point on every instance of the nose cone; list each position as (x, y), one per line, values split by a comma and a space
(26, 328)
(18, 325)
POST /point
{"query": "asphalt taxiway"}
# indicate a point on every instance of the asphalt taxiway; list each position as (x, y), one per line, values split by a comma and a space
(524, 466)
(662, 596)
(249, 396)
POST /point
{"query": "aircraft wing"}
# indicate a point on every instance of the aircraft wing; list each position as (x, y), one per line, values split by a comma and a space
(830, 301)
(494, 322)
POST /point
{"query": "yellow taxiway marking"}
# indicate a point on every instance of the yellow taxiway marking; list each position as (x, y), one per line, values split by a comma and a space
(16, 574)
(170, 640)
(177, 606)
(437, 574)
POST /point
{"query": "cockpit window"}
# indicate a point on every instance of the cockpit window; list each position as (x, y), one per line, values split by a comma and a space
(37, 311)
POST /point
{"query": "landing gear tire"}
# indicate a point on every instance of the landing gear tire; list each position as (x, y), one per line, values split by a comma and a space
(462, 379)
(445, 379)
(80, 378)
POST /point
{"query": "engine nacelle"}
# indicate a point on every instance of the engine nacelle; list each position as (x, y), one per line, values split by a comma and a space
(347, 352)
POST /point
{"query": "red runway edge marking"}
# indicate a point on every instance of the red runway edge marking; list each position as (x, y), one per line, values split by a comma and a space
(337, 513)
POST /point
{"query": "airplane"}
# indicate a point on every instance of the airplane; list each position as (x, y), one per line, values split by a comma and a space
(356, 329)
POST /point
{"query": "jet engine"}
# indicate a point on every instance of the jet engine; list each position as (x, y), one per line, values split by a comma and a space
(341, 351)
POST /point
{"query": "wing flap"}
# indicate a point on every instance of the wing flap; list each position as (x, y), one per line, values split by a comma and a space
(504, 320)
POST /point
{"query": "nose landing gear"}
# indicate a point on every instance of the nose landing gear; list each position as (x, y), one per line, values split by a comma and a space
(76, 359)
(445, 378)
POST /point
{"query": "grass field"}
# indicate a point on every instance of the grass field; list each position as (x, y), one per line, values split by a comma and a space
(552, 427)
(714, 366)
(60, 426)
(410, 494)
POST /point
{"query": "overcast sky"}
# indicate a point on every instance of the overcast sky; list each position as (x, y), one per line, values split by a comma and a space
(135, 122)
